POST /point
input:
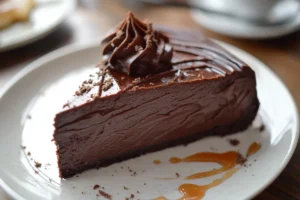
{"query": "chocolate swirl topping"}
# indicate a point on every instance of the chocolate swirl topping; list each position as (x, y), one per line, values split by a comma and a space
(136, 49)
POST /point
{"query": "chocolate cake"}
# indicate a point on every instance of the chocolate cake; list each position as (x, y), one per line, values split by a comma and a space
(155, 88)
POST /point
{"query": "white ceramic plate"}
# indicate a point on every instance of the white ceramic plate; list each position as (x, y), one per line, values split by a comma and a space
(45, 17)
(240, 29)
(41, 89)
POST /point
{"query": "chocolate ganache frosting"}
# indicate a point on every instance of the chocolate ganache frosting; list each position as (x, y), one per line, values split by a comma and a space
(136, 49)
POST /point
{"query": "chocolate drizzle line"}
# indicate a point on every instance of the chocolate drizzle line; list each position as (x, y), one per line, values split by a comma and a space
(103, 74)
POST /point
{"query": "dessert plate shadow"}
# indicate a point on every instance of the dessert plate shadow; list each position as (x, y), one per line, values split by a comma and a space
(28, 167)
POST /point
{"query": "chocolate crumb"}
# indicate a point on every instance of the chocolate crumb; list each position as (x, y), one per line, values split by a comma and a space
(136, 80)
(234, 142)
(96, 186)
(90, 81)
(82, 193)
(97, 195)
(23, 147)
(254, 160)
(77, 93)
(134, 173)
(37, 164)
(126, 198)
(177, 175)
(36, 172)
(179, 75)
(66, 105)
(241, 160)
(84, 82)
(132, 196)
(262, 128)
(104, 194)
(107, 84)
(137, 192)
(91, 75)
(125, 188)
(28, 154)
(145, 184)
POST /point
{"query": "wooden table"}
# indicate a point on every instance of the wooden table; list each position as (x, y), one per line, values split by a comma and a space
(93, 18)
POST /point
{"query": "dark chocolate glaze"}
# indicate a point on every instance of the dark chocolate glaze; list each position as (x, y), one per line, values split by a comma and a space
(207, 91)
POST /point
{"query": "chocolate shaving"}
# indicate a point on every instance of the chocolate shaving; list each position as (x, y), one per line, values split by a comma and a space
(66, 105)
(107, 84)
(240, 160)
(136, 80)
(96, 187)
(262, 128)
(37, 164)
(234, 142)
(104, 194)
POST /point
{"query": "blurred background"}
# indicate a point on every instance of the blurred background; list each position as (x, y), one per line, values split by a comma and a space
(268, 29)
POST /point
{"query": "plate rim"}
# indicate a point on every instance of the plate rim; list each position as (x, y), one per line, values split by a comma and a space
(43, 33)
(72, 48)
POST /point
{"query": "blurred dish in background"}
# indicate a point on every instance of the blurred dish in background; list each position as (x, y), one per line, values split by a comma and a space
(279, 20)
(255, 19)
(13, 11)
(43, 18)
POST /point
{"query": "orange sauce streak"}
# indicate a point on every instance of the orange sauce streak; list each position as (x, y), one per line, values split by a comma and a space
(156, 162)
(254, 147)
(175, 160)
(227, 160)
(197, 192)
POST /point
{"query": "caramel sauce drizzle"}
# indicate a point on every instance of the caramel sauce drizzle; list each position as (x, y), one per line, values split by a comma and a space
(156, 162)
(227, 160)
(197, 192)
(254, 147)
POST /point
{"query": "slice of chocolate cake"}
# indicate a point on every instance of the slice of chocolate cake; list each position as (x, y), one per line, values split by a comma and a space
(154, 89)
